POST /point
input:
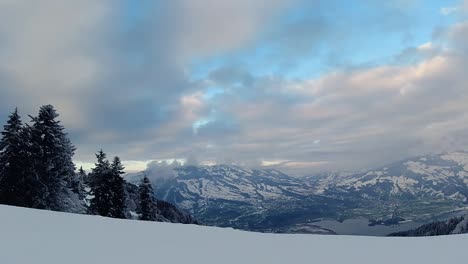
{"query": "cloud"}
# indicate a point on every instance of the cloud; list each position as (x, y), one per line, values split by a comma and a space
(448, 10)
(162, 169)
(416, 54)
(458, 38)
(43, 54)
(207, 27)
(125, 81)
(363, 117)
(117, 78)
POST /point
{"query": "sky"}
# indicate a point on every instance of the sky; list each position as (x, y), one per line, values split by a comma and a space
(301, 86)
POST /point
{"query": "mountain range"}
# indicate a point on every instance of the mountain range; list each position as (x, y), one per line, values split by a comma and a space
(422, 189)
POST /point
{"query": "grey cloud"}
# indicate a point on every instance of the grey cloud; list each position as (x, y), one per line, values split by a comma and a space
(125, 88)
(213, 27)
(458, 36)
(116, 81)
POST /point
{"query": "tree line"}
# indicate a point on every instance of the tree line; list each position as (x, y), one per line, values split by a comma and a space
(37, 171)
(456, 225)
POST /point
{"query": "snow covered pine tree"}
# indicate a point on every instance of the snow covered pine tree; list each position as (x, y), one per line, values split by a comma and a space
(77, 184)
(118, 189)
(147, 201)
(13, 161)
(52, 164)
(36, 168)
(107, 186)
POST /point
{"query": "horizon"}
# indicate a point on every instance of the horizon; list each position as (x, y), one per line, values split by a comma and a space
(135, 167)
(299, 86)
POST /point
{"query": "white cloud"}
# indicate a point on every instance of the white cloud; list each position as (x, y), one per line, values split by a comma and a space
(450, 10)
(446, 11)
(428, 46)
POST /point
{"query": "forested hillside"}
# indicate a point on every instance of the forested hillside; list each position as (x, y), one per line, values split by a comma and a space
(456, 225)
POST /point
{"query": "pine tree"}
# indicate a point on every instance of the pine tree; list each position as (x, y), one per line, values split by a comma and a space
(107, 187)
(13, 161)
(117, 166)
(118, 189)
(82, 174)
(147, 203)
(77, 185)
(99, 187)
(52, 163)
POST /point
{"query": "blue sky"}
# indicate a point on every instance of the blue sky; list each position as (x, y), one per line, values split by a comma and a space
(299, 85)
(352, 37)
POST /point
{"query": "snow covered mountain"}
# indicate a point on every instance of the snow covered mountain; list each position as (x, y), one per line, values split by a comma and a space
(232, 196)
(57, 238)
(441, 176)
(233, 183)
(423, 188)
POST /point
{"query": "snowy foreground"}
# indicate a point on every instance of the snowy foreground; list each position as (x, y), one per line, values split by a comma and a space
(34, 236)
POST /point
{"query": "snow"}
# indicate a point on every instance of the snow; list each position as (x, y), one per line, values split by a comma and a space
(233, 183)
(34, 236)
(424, 169)
(399, 182)
(459, 157)
(457, 196)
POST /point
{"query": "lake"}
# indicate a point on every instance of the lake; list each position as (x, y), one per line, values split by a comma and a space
(361, 226)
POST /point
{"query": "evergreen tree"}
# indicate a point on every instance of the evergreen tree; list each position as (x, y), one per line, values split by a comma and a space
(99, 188)
(147, 203)
(117, 166)
(118, 189)
(107, 187)
(52, 164)
(13, 161)
(77, 184)
(82, 174)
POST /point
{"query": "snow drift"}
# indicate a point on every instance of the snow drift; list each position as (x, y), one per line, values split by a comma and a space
(35, 236)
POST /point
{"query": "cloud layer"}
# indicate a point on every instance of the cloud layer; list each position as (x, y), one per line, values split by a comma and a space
(211, 80)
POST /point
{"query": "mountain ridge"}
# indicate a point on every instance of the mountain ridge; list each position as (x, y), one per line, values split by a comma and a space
(423, 187)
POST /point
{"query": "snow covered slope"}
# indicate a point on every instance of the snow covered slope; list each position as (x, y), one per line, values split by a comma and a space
(40, 237)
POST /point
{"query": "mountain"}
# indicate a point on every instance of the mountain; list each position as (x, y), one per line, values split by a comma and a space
(249, 199)
(36, 236)
(421, 189)
(441, 176)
